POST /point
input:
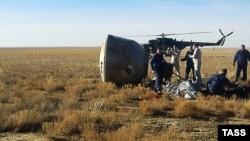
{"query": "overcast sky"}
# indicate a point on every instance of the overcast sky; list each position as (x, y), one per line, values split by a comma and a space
(32, 23)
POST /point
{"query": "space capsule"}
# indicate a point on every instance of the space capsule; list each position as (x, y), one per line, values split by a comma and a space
(122, 61)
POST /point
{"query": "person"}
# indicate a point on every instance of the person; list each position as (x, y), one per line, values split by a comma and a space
(242, 56)
(216, 84)
(189, 63)
(197, 55)
(242, 91)
(157, 64)
(175, 55)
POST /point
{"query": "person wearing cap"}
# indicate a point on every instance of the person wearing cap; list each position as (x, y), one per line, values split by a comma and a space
(196, 56)
(242, 56)
(157, 64)
(216, 84)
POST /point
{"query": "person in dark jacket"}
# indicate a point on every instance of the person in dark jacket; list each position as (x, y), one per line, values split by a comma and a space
(217, 83)
(242, 91)
(157, 64)
(242, 56)
(189, 63)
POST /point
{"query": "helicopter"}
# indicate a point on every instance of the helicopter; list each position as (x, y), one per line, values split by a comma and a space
(125, 61)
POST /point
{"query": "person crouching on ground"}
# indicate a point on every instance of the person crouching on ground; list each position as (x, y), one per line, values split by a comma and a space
(242, 91)
(217, 83)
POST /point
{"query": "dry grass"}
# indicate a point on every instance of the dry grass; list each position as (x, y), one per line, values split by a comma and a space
(58, 91)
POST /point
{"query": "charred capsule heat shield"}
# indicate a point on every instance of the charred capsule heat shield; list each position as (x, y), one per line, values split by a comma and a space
(122, 61)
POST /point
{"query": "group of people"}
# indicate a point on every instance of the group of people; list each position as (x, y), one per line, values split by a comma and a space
(193, 58)
(193, 61)
(215, 84)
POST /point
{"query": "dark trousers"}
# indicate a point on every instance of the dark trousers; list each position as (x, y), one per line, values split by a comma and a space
(220, 91)
(158, 81)
(187, 71)
(242, 68)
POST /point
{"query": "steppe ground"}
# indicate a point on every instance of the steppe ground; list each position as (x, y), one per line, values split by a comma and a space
(57, 94)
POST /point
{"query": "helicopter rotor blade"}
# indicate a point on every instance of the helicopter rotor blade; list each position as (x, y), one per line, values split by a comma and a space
(230, 33)
(221, 33)
(164, 34)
